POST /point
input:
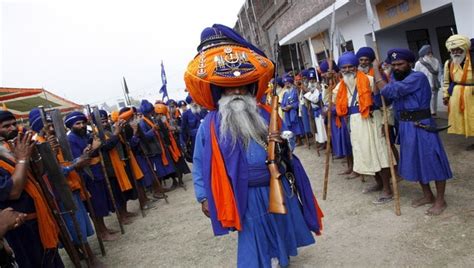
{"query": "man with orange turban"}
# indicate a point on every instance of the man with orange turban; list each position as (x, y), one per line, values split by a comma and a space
(458, 87)
(231, 178)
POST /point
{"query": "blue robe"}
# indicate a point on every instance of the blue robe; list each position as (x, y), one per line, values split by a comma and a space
(25, 240)
(148, 176)
(161, 169)
(292, 121)
(340, 137)
(83, 220)
(305, 119)
(190, 123)
(96, 186)
(422, 156)
(263, 235)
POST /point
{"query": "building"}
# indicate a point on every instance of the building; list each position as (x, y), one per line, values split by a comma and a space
(303, 26)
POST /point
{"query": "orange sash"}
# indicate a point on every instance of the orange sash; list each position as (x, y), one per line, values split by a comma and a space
(119, 170)
(137, 171)
(364, 95)
(174, 149)
(467, 64)
(163, 152)
(48, 229)
(226, 206)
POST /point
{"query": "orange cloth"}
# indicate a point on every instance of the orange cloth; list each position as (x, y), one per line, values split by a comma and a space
(137, 171)
(119, 170)
(47, 226)
(164, 159)
(174, 149)
(467, 64)
(226, 206)
(364, 95)
(114, 116)
(200, 74)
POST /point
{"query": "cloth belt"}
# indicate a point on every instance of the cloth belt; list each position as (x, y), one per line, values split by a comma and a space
(260, 176)
(415, 115)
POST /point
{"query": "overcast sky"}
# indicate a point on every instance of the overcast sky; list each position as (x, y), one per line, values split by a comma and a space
(81, 49)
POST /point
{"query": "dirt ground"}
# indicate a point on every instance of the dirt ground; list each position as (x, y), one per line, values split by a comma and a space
(356, 232)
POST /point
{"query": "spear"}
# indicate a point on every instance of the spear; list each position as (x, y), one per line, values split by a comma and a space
(371, 19)
(331, 85)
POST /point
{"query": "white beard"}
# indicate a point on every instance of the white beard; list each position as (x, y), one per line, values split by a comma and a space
(195, 108)
(364, 69)
(457, 59)
(349, 80)
(241, 120)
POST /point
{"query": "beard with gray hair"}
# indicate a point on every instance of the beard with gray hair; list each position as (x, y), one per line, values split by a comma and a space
(195, 108)
(241, 120)
(458, 58)
(349, 79)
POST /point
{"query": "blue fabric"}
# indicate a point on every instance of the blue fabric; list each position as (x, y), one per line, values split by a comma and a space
(230, 33)
(96, 186)
(146, 107)
(6, 185)
(287, 79)
(366, 52)
(6, 115)
(324, 66)
(340, 138)
(85, 225)
(190, 123)
(422, 156)
(347, 58)
(292, 121)
(400, 54)
(305, 119)
(36, 123)
(147, 173)
(279, 81)
(311, 73)
(189, 99)
(73, 117)
(424, 50)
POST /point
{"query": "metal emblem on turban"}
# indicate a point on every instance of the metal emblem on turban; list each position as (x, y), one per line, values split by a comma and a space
(232, 64)
(394, 55)
(201, 72)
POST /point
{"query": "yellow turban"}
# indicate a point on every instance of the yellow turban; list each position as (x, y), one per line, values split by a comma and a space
(459, 41)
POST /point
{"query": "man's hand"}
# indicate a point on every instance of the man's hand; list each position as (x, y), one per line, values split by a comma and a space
(96, 143)
(118, 126)
(134, 125)
(83, 161)
(10, 219)
(53, 142)
(446, 101)
(23, 146)
(205, 208)
(376, 64)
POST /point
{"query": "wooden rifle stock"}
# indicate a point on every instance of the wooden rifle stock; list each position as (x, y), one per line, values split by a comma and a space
(276, 203)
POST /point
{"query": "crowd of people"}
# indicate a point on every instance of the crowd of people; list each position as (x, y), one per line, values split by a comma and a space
(140, 153)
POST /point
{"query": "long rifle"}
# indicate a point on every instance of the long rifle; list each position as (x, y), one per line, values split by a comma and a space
(99, 131)
(59, 182)
(331, 86)
(370, 17)
(276, 203)
(60, 133)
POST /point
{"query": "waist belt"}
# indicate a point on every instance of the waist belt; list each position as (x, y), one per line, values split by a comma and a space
(260, 176)
(415, 115)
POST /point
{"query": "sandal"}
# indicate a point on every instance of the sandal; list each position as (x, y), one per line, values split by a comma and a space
(371, 189)
(382, 200)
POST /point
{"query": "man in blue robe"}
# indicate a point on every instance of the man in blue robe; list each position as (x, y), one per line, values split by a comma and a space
(190, 122)
(422, 156)
(290, 107)
(231, 178)
(83, 144)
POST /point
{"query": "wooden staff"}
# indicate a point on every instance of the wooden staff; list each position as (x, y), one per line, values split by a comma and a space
(396, 193)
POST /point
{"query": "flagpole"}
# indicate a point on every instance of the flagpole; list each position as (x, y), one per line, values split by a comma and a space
(371, 18)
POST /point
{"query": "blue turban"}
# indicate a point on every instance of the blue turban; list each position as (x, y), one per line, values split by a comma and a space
(305, 73)
(311, 73)
(219, 34)
(424, 50)
(400, 54)
(287, 79)
(103, 114)
(189, 99)
(182, 103)
(146, 107)
(36, 123)
(6, 115)
(347, 58)
(324, 66)
(366, 52)
(170, 101)
(279, 81)
(73, 117)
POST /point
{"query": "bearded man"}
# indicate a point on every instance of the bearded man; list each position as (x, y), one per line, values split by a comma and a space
(190, 122)
(458, 87)
(422, 157)
(369, 148)
(231, 179)
(315, 96)
(429, 65)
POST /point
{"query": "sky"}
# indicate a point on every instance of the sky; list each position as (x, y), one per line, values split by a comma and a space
(80, 50)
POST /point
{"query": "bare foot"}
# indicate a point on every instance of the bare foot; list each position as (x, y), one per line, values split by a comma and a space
(112, 231)
(353, 176)
(109, 237)
(422, 201)
(373, 188)
(436, 209)
(347, 172)
(127, 220)
(130, 214)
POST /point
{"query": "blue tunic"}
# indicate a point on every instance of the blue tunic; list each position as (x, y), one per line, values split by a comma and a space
(264, 236)
(83, 220)
(422, 156)
(25, 240)
(190, 123)
(148, 176)
(305, 119)
(96, 186)
(292, 120)
(340, 137)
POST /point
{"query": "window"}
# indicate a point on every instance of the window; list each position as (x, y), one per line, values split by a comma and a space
(416, 39)
(349, 46)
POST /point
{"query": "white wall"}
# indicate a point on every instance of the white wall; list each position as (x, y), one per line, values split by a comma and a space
(463, 13)
(355, 28)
